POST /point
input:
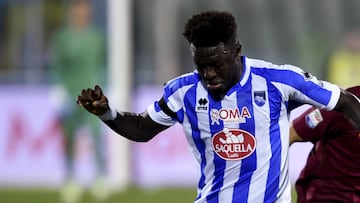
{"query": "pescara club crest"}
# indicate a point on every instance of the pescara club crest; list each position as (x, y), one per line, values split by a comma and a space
(233, 144)
(260, 98)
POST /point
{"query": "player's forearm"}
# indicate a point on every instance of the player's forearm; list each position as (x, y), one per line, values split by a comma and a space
(349, 105)
(135, 127)
(353, 116)
(294, 137)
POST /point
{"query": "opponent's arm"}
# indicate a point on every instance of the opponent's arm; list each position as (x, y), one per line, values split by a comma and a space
(349, 106)
(135, 127)
(294, 136)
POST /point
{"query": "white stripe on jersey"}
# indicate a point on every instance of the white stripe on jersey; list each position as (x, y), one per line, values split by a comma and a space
(259, 177)
(263, 92)
(204, 117)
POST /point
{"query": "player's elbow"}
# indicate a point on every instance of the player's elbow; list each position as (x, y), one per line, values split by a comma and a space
(140, 137)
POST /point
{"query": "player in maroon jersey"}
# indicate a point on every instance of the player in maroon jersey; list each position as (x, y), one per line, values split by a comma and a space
(332, 170)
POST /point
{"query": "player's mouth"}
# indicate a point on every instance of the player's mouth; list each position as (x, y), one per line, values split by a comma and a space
(214, 86)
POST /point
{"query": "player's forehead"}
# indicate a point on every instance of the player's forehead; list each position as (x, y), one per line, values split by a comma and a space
(211, 54)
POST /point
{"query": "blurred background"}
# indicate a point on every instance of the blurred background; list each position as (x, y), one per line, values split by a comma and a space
(51, 49)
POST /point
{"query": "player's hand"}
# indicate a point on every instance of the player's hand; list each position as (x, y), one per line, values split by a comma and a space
(93, 100)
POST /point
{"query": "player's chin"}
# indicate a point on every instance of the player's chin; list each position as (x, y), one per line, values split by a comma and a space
(216, 94)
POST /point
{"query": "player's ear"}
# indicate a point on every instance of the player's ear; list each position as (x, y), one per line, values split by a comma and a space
(238, 47)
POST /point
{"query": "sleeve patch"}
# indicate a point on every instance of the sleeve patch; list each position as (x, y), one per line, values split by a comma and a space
(313, 118)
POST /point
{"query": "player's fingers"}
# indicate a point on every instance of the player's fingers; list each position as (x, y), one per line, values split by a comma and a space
(80, 101)
(98, 92)
(85, 97)
(97, 87)
(88, 94)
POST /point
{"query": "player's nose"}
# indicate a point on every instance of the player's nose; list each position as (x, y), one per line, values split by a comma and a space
(209, 72)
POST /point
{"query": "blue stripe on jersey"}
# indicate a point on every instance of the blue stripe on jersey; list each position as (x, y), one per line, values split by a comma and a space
(180, 115)
(174, 85)
(190, 103)
(219, 163)
(157, 107)
(296, 81)
(248, 165)
(273, 178)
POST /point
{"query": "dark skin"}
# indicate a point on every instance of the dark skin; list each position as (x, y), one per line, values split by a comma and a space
(220, 70)
(217, 70)
(135, 127)
(220, 67)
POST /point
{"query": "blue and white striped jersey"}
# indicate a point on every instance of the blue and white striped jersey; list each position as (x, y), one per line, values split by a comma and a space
(241, 142)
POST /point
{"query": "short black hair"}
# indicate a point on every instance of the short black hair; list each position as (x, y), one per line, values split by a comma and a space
(209, 28)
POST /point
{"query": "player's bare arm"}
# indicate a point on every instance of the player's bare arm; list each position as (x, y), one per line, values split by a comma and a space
(135, 127)
(349, 105)
(294, 136)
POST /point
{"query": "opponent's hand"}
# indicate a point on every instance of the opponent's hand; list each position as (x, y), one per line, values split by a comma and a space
(93, 100)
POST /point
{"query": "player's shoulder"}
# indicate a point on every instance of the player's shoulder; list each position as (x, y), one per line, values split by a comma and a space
(272, 71)
(257, 63)
(183, 80)
(264, 64)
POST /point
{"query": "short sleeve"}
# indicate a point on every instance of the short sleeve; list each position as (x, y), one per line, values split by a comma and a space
(314, 124)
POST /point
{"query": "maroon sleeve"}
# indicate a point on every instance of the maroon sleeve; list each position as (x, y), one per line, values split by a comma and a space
(313, 124)
(355, 90)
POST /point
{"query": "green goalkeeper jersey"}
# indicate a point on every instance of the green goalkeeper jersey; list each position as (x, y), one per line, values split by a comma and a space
(77, 59)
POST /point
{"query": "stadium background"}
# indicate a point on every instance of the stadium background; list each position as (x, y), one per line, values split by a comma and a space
(145, 49)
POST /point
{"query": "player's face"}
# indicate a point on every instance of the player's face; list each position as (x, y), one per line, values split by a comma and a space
(218, 67)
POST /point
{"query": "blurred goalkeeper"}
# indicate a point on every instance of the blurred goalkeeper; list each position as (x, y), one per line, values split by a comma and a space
(332, 170)
(229, 95)
(77, 58)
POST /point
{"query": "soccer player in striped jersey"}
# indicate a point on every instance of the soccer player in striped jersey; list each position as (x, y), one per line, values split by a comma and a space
(233, 110)
(331, 173)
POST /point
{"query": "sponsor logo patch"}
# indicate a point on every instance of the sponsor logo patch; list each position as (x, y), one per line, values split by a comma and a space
(229, 116)
(233, 144)
(313, 118)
